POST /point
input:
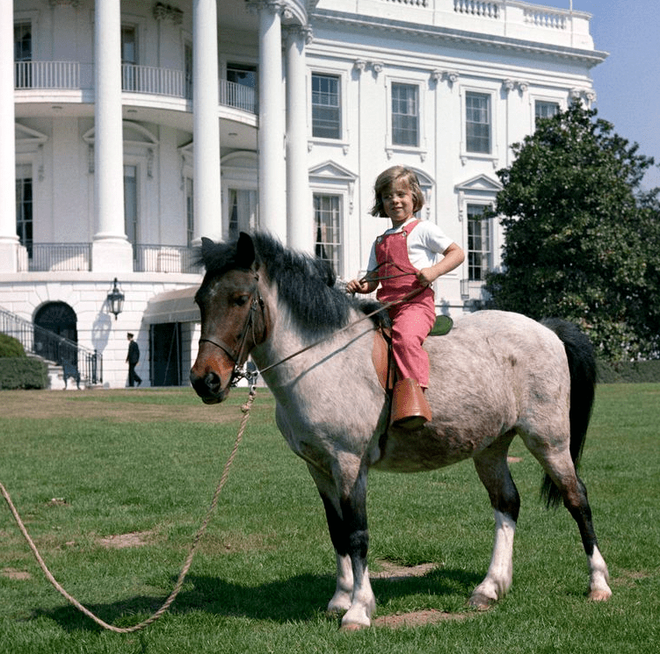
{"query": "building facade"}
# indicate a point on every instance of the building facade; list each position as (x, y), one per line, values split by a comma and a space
(131, 129)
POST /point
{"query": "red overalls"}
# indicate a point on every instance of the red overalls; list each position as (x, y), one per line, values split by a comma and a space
(413, 319)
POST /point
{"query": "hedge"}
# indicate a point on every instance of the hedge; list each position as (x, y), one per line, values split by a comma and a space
(23, 372)
(630, 372)
(10, 347)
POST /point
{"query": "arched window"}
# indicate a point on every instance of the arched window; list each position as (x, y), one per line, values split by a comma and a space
(56, 321)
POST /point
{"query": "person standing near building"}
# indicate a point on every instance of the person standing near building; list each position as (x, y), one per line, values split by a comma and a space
(132, 360)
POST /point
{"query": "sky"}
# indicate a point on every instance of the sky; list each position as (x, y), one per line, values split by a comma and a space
(627, 83)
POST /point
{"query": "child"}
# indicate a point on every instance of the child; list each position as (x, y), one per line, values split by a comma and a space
(403, 261)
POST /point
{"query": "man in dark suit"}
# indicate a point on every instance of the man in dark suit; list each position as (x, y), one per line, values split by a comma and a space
(132, 361)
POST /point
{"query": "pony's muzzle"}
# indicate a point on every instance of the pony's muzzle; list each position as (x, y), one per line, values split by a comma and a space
(208, 386)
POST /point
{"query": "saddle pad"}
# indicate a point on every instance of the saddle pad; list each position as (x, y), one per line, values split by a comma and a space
(442, 326)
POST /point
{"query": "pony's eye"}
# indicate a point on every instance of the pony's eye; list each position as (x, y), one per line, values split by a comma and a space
(241, 300)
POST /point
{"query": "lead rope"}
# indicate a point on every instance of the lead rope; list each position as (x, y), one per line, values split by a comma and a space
(184, 571)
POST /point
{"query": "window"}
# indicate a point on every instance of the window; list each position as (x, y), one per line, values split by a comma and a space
(129, 59)
(190, 211)
(479, 242)
(405, 114)
(23, 55)
(131, 204)
(24, 207)
(543, 109)
(327, 220)
(188, 68)
(243, 211)
(478, 123)
(243, 74)
(326, 106)
(129, 44)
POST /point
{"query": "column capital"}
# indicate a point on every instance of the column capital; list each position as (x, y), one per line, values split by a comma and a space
(303, 32)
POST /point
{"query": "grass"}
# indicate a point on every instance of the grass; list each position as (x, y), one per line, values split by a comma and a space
(86, 468)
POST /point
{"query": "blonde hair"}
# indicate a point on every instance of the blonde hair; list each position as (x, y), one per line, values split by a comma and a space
(387, 178)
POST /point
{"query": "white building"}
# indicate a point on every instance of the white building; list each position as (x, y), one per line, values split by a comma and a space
(130, 129)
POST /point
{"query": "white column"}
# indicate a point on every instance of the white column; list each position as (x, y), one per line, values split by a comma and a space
(206, 122)
(299, 210)
(8, 238)
(111, 251)
(272, 177)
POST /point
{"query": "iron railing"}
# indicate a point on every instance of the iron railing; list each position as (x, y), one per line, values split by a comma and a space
(51, 347)
(68, 257)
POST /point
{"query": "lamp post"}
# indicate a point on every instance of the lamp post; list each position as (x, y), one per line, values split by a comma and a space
(115, 300)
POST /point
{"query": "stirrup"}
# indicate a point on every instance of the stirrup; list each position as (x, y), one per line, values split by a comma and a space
(410, 409)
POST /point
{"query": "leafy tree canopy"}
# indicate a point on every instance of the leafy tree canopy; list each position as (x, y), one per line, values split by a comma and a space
(582, 239)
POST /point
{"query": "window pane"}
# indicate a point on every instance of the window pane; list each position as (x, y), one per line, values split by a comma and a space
(478, 128)
(545, 109)
(328, 229)
(405, 115)
(479, 243)
(24, 215)
(243, 74)
(326, 109)
(243, 214)
(130, 203)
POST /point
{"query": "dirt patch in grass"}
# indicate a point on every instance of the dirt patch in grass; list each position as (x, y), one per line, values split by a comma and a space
(394, 572)
(12, 573)
(417, 618)
(148, 405)
(121, 541)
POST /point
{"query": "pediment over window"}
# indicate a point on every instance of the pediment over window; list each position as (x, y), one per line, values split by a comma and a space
(331, 171)
(133, 134)
(480, 184)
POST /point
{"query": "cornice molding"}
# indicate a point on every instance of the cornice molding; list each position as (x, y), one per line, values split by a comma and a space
(490, 41)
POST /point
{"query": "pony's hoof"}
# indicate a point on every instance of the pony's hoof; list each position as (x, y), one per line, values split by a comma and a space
(481, 602)
(353, 626)
(600, 595)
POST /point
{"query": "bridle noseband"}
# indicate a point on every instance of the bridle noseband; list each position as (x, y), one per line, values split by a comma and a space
(240, 354)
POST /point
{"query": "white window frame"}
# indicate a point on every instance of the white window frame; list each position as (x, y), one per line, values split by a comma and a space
(560, 102)
(338, 261)
(343, 140)
(340, 106)
(485, 253)
(239, 172)
(466, 154)
(390, 147)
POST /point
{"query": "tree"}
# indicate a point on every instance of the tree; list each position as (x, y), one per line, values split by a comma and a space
(582, 240)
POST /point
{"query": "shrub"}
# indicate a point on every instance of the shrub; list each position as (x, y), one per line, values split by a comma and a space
(23, 372)
(10, 347)
(631, 372)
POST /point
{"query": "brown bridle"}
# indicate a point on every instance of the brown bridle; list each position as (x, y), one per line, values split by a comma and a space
(240, 354)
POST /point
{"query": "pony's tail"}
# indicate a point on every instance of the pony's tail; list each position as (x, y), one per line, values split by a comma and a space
(582, 366)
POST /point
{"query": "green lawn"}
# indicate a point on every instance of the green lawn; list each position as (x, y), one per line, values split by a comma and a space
(86, 469)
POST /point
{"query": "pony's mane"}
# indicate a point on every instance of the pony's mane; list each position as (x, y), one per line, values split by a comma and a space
(305, 284)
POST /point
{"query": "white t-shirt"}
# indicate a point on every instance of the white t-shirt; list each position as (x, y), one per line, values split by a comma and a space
(425, 243)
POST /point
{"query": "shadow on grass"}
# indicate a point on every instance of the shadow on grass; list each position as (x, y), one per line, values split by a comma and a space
(299, 598)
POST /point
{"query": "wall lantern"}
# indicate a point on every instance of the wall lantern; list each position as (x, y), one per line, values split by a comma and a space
(116, 300)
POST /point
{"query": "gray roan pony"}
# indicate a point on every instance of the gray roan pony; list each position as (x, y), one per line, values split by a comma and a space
(495, 375)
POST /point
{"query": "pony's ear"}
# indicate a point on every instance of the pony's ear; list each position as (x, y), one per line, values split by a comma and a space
(245, 254)
(207, 247)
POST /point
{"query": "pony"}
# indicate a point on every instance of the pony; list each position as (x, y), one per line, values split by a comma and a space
(495, 375)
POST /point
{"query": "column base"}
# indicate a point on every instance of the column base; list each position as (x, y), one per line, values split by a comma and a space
(112, 256)
(10, 250)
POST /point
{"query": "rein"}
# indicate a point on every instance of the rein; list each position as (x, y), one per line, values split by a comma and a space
(239, 355)
(188, 562)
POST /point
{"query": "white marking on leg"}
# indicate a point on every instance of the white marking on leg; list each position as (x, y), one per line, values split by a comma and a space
(500, 572)
(341, 600)
(362, 606)
(599, 589)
